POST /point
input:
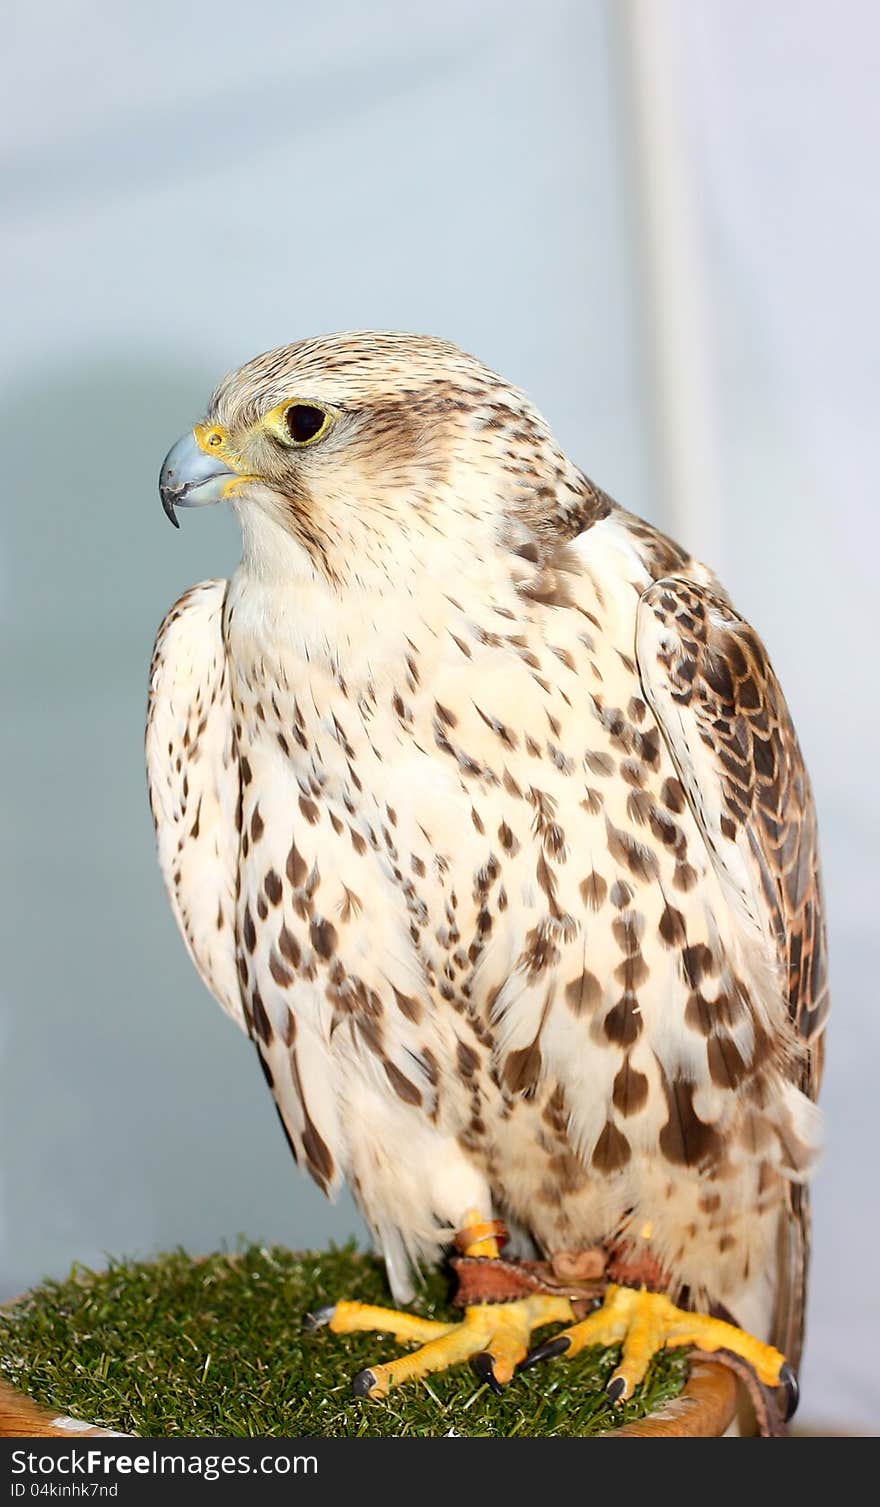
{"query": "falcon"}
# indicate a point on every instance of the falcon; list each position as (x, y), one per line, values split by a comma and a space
(481, 812)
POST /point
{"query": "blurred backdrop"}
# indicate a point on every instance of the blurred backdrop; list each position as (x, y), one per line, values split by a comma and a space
(655, 215)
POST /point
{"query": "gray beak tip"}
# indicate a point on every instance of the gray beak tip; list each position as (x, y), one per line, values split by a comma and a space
(168, 509)
(190, 479)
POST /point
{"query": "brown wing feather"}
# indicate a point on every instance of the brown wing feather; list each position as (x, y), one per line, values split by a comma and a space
(721, 708)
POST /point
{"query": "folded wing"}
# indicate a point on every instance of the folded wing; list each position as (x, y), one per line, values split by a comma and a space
(193, 778)
(710, 684)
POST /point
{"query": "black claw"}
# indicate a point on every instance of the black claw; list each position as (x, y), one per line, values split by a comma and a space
(788, 1379)
(363, 1383)
(548, 1351)
(483, 1368)
(616, 1388)
(319, 1318)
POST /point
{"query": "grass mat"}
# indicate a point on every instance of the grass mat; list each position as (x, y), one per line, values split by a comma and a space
(189, 1348)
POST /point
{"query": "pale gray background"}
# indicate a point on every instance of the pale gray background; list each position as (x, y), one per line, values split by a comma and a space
(659, 216)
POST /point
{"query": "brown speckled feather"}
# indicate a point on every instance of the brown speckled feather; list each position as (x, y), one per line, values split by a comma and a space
(721, 707)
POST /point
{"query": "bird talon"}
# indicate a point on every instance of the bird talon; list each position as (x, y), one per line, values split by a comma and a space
(319, 1317)
(616, 1389)
(483, 1368)
(548, 1351)
(788, 1378)
(363, 1383)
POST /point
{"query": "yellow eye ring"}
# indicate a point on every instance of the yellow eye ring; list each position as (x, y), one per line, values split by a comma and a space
(305, 423)
(297, 422)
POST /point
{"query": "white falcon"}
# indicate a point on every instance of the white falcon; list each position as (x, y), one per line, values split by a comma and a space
(481, 812)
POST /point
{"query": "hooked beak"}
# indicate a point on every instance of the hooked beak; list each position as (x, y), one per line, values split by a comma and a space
(191, 477)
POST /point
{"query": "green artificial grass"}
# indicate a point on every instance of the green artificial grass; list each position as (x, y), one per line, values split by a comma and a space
(188, 1348)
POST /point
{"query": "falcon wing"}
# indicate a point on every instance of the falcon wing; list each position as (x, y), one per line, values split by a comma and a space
(193, 778)
(709, 682)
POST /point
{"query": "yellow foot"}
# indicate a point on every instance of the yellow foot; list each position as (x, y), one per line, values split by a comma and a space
(494, 1337)
(643, 1322)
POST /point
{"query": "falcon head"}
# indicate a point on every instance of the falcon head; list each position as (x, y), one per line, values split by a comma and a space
(352, 446)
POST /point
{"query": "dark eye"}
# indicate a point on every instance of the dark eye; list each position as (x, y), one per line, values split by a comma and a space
(304, 422)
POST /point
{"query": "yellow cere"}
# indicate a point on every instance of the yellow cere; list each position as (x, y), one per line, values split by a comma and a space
(212, 440)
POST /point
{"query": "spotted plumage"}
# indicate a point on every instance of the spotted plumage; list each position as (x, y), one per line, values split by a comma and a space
(481, 811)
